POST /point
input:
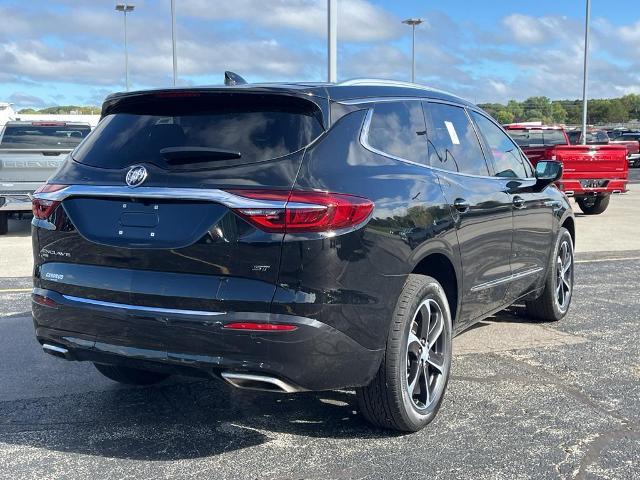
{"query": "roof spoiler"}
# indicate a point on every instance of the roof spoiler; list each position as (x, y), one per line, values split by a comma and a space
(232, 78)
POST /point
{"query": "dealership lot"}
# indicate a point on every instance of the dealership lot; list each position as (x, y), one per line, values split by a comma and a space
(525, 399)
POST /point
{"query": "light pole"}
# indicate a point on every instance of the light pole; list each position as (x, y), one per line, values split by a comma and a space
(332, 40)
(414, 22)
(585, 74)
(173, 41)
(124, 8)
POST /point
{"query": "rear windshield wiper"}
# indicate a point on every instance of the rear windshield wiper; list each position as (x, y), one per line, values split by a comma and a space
(186, 155)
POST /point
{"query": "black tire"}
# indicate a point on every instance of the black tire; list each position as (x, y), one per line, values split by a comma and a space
(386, 401)
(4, 223)
(130, 376)
(548, 307)
(593, 206)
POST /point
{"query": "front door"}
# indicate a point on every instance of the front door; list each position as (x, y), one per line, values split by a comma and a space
(532, 211)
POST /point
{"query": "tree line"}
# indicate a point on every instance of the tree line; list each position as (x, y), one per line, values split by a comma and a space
(63, 110)
(545, 110)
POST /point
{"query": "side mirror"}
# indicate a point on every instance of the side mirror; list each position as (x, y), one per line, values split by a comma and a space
(547, 172)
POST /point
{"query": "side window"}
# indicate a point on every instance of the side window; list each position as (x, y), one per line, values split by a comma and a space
(398, 129)
(507, 157)
(453, 143)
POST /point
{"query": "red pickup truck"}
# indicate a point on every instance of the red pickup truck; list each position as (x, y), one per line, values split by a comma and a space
(591, 173)
(600, 137)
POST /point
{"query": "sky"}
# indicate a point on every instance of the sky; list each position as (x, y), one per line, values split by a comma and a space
(59, 52)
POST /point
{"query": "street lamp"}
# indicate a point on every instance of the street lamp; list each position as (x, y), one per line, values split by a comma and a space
(414, 22)
(173, 41)
(332, 40)
(124, 8)
(585, 73)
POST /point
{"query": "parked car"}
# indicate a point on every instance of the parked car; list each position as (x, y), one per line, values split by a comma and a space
(594, 137)
(591, 172)
(631, 140)
(292, 237)
(30, 152)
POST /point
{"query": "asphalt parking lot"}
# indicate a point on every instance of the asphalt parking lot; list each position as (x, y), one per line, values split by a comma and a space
(526, 400)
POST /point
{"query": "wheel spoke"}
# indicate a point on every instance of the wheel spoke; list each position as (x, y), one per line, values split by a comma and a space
(425, 313)
(425, 377)
(436, 330)
(436, 360)
(413, 339)
(413, 383)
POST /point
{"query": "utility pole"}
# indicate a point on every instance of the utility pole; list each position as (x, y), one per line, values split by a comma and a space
(332, 40)
(585, 74)
(124, 8)
(173, 41)
(414, 22)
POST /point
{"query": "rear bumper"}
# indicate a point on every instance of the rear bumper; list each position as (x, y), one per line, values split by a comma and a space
(314, 356)
(573, 187)
(15, 202)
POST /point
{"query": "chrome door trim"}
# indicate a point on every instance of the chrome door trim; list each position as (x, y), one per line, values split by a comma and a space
(508, 278)
(139, 308)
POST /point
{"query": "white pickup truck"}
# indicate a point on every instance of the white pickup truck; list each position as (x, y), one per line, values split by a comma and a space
(30, 152)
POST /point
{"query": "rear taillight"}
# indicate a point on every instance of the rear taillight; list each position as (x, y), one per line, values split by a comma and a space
(43, 208)
(305, 211)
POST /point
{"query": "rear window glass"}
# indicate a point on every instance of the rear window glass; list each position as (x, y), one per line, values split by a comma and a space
(43, 136)
(537, 137)
(258, 127)
(398, 129)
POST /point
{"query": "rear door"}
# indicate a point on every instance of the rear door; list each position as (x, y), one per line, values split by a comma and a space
(532, 211)
(481, 209)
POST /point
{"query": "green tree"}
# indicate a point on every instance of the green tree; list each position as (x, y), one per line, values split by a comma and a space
(504, 116)
(558, 113)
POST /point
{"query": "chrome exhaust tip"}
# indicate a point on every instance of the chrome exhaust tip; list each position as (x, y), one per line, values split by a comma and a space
(56, 351)
(264, 383)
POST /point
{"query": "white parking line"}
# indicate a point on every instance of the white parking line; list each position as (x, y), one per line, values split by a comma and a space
(597, 260)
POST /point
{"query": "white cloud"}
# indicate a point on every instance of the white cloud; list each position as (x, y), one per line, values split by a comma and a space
(359, 20)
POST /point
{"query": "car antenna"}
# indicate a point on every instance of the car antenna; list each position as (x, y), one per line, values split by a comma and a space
(232, 78)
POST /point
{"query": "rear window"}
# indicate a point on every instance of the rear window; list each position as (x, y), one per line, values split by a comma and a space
(257, 127)
(62, 136)
(537, 137)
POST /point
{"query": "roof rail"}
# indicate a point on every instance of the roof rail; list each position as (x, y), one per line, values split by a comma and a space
(390, 83)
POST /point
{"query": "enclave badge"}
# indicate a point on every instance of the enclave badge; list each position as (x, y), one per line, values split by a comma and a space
(136, 175)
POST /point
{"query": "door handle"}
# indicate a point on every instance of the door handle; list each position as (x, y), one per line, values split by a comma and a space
(461, 205)
(518, 201)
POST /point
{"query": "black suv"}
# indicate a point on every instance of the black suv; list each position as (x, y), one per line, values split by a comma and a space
(295, 237)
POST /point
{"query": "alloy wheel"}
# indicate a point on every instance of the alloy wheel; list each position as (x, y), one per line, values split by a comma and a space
(426, 355)
(564, 275)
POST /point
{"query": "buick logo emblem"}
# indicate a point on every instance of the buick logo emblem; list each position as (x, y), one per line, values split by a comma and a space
(136, 175)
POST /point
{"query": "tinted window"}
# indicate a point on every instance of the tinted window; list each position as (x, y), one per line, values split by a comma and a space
(398, 129)
(453, 143)
(508, 161)
(258, 127)
(43, 136)
(537, 137)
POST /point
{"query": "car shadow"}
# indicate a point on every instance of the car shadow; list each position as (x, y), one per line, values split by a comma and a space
(182, 419)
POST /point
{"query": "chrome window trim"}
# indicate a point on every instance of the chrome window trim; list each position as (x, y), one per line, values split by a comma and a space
(364, 133)
(508, 278)
(125, 306)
